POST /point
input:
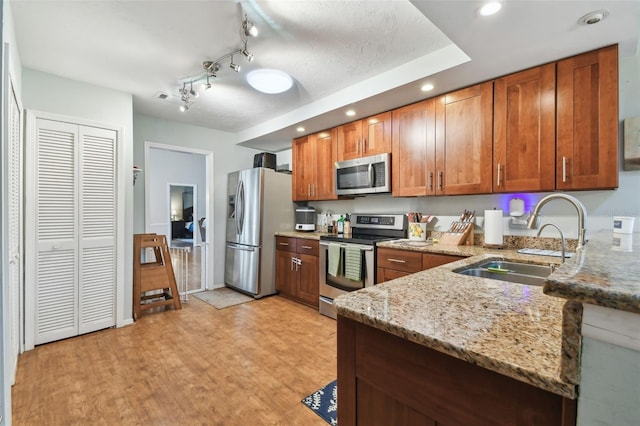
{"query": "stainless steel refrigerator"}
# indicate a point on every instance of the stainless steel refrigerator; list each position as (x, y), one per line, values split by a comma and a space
(258, 205)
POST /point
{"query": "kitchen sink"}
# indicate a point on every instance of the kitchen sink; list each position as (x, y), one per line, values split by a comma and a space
(515, 272)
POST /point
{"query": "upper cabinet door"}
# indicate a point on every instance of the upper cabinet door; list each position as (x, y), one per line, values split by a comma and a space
(303, 168)
(362, 138)
(413, 150)
(376, 134)
(464, 141)
(324, 187)
(587, 105)
(350, 140)
(524, 131)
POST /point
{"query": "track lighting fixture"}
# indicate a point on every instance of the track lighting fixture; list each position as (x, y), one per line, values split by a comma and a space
(211, 68)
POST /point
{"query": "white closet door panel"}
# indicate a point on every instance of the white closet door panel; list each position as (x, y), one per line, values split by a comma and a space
(56, 181)
(56, 296)
(56, 275)
(97, 289)
(97, 229)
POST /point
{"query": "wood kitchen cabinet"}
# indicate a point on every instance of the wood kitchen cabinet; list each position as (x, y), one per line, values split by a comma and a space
(297, 273)
(587, 120)
(396, 263)
(413, 150)
(370, 136)
(387, 380)
(313, 166)
(464, 141)
(524, 123)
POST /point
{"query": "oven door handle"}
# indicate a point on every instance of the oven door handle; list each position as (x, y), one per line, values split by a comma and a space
(363, 248)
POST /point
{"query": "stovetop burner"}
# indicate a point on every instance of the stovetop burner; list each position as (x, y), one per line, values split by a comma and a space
(369, 229)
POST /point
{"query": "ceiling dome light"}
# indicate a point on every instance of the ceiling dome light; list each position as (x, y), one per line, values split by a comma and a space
(427, 87)
(490, 8)
(269, 80)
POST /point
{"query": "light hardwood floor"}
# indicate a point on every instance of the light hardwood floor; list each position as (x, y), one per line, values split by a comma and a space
(249, 364)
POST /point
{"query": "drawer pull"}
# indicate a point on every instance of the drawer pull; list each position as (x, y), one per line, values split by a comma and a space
(284, 244)
(396, 260)
(307, 247)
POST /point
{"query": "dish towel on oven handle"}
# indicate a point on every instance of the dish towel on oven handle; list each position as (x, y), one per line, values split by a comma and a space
(334, 259)
(353, 263)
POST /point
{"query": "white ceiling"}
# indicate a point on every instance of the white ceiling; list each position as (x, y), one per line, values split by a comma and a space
(369, 55)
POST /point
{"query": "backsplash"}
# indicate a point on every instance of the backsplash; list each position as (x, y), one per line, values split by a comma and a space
(519, 241)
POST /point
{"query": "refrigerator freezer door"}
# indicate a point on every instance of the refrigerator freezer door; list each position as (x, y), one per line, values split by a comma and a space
(244, 206)
(241, 267)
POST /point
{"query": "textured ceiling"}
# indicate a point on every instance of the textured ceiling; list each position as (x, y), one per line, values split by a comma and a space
(372, 55)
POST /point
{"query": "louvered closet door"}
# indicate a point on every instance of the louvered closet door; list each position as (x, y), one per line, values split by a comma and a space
(56, 265)
(97, 229)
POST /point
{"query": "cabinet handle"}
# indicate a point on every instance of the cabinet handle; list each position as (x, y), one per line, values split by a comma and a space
(284, 244)
(306, 247)
(430, 180)
(364, 145)
(499, 169)
(313, 189)
(439, 180)
(564, 168)
(396, 260)
(308, 190)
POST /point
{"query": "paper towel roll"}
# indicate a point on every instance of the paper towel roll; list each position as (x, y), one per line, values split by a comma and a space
(493, 227)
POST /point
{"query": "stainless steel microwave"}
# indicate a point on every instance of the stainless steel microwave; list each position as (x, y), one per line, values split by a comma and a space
(366, 175)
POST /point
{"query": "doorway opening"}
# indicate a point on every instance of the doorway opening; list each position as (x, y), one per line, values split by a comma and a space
(179, 204)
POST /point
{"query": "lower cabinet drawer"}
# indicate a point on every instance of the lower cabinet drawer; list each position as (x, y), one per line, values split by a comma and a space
(285, 243)
(400, 260)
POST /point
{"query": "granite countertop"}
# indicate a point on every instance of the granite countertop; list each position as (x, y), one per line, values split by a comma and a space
(605, 273)
(299, 234)
(509, 328)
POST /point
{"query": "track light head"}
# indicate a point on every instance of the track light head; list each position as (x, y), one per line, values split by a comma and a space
(234, 67)
(247, 55)
(250, 30)
(184, 107)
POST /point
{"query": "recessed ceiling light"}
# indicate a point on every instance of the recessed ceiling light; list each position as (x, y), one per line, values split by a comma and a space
(593, 17)
(269, 80)
(350, 113)
(490, 8)
(301, 129)
(427, 87)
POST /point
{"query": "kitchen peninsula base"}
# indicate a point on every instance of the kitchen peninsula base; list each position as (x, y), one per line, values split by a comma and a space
(384, 380)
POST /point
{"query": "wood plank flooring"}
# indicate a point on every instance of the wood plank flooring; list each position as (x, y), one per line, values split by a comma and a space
(249, 364)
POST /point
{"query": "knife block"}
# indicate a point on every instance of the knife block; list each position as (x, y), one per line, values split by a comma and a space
(458, 238)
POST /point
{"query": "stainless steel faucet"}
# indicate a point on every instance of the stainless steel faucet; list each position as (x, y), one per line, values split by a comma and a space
(582, 213)
(561, 236)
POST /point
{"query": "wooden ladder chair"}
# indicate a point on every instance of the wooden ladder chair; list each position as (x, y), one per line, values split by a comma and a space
(154, 282)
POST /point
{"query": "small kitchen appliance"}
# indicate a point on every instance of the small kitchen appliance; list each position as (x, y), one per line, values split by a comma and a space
(305, 219)
(348, 262)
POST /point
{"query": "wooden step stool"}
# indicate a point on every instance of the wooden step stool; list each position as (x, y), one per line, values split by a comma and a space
(154, 282)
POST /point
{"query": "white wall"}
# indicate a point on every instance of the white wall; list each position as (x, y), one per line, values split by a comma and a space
(177, 168)
(53, 94)
(601, 205)
(227, 157)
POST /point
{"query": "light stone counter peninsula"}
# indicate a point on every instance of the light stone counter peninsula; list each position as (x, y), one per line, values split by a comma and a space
(512, 329)
(606, 273)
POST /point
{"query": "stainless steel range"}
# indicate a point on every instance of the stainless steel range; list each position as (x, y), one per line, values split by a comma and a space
(348, 263)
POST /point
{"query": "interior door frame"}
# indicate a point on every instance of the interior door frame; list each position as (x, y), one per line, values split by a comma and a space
(209, 211)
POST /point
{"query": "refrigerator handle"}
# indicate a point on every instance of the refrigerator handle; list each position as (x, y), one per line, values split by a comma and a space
(242, 204)
(237, 206)
(241, 248)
